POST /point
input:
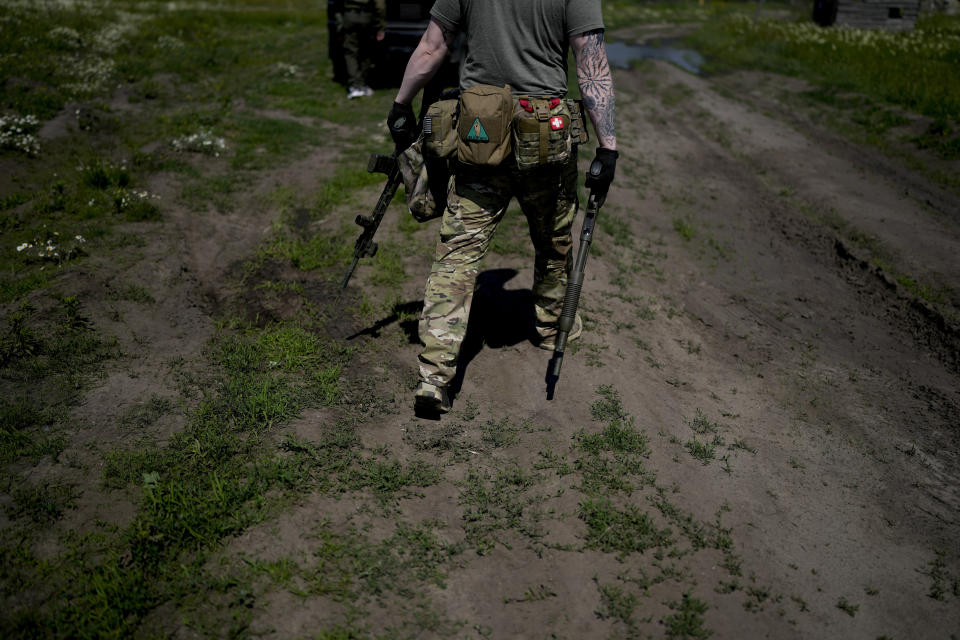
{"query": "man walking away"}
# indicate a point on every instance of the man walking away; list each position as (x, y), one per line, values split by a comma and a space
(522, 44)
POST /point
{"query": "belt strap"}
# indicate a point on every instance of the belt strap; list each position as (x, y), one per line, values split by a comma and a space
(542, 109)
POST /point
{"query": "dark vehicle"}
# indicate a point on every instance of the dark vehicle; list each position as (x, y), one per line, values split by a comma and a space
(825, 12)
(406, 21)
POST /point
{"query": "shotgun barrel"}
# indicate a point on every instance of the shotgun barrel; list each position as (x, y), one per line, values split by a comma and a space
(571, 299)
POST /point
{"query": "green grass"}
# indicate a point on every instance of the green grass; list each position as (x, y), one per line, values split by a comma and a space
(621, 13)
(942, 137)
(68, 218)
(618, 603)
(703, 450)
(534, 594)
(252, 62)
(943, 585)
(684, 228)
(212, 479)
(352, 568)
(144, 414)
(42, 503)
(256, 76)
(620, 530)
(847, 607)
(712, 438)
(617, 229)
(131, 293)
(612, 459)
(504, 432)
(911, 69)
(262, 140)
(687, 621)
(499, 505)
(46, 359)
(878, 253)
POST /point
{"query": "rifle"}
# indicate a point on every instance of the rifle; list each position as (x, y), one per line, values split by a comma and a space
(365, 247)
(571, 298)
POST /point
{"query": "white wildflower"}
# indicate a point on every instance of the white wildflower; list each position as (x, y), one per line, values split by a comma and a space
(17, 132)
(65, 37)
(202, 142)
(91, 75)
(286, 70)
(169, 43)
(48, 249)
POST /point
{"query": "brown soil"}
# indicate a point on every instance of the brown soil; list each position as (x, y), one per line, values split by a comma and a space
(767, 318)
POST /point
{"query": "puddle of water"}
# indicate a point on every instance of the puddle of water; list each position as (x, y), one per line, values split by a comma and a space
(621, 54)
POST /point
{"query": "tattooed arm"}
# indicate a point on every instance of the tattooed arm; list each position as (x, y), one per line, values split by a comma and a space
(596, 85)
(425, 60)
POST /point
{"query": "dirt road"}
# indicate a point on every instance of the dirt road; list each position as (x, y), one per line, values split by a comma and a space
(802, 407)
(724, 287)
(757, 436)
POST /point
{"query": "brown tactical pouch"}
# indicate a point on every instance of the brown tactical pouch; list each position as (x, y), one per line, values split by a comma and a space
(440, 129)
(541, 132)
(483, 126)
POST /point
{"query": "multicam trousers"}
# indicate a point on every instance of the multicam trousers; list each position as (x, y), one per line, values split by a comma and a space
(477, 200)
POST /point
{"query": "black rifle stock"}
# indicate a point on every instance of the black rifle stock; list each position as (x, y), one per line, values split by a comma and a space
(365, 247)
(571, 299)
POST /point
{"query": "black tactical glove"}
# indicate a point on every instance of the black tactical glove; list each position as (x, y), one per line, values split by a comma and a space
(403, 125)
(600, 174)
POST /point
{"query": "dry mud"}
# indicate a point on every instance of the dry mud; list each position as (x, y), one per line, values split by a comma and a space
(715, 286)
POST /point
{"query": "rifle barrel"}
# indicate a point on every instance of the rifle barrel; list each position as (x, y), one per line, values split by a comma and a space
(346, 278)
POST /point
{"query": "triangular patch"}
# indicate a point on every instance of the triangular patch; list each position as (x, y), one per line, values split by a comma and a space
(477, 133)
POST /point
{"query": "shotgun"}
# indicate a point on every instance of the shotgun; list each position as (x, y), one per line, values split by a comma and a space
(571, 299)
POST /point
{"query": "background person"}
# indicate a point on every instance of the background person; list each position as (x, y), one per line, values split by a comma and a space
(363, 24)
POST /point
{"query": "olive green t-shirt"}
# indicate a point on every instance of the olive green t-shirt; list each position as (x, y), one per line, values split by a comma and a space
(522, 43)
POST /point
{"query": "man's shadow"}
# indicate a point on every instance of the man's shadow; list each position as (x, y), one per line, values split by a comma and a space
(407, 313)
(498, 318)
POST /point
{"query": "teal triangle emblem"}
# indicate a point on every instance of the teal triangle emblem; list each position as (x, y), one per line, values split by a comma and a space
(477, 133)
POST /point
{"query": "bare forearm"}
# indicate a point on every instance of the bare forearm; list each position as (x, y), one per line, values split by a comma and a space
(421, 67)
(596, 85)
(425, 61)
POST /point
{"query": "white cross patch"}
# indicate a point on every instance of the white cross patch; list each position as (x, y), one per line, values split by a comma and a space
(556, 123)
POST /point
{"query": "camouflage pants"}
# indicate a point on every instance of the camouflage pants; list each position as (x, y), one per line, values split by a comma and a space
(476, 203)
